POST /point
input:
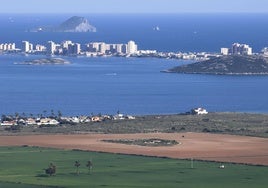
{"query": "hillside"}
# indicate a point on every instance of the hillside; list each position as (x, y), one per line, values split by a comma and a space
(232, 64)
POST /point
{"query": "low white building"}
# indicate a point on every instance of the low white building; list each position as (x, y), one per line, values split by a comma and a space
(199, 111)
(225, 51)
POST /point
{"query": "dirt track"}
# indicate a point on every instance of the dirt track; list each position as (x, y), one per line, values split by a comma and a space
(227, 148)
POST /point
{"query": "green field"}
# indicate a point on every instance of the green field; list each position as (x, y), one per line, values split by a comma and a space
(23, 167)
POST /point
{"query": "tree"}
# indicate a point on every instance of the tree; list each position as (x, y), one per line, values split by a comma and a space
(3, 117)
(89, 165)
(77, 165)
(52, 113)
(45, 113)
(59, 114)
(17, 115)
(51, 169)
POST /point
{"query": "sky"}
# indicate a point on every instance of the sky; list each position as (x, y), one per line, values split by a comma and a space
(133, 6)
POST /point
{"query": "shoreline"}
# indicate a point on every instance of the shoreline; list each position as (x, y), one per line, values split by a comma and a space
(229, 123)
(218, 73)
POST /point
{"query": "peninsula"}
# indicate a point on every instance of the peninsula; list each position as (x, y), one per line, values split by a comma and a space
(227, 65)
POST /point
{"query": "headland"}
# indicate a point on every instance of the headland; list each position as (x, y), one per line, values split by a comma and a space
(227, 65)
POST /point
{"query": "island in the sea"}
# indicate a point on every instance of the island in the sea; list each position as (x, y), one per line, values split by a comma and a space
(76, 24)
(230, 64)
(45, 61)
(73, 24)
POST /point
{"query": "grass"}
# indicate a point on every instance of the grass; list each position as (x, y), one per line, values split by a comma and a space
(23, 167)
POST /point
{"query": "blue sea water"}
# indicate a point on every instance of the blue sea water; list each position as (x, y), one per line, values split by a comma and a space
(178, 32)
(132, 85)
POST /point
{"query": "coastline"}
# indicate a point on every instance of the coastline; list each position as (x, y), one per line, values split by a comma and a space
(232, 123)
(218, 73)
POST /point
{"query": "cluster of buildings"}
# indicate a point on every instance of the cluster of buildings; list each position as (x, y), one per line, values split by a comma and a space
(93, 49)
(7, 46)
(52, 121)
(29, 121)
(237, 49)
(70, 48)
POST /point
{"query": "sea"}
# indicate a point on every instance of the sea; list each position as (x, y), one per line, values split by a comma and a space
(134, 86)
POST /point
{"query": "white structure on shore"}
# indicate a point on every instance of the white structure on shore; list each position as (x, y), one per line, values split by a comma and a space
(241, 49)
(103, 48)
(225, 51)
(132, 48)
(51, 47)
(237, 49)
(27, 46)
(199, 111)
(8, 46)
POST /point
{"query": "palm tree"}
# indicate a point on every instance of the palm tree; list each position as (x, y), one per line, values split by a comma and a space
(59, 114)
(52, 113)
(17, 115)
(90, 166)
(77, 165)
(45, 113)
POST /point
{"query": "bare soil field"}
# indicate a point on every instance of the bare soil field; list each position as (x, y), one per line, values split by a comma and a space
(199, 146)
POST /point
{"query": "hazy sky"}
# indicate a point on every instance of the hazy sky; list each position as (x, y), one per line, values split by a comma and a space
(132, 6)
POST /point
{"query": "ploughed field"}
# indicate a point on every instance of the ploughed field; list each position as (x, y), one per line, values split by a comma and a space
(201, 146)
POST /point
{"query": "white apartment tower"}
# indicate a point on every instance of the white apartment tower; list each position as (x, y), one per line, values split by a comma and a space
(102, 48)
(51, 47)
(241, 49)
(26, 46)
(77, 48)
(119, 48)
(131, 47)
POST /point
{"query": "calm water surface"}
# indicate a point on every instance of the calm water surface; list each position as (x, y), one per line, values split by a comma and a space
(130, 85)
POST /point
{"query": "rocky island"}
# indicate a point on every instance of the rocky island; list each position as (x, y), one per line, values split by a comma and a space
(73, 24)
(76, 24)
(227, 65)
(45, 61)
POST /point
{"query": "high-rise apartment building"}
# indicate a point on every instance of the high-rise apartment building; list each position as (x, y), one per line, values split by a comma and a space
(131, 47)
(241, 49)
(51, 47)
(27, 46)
